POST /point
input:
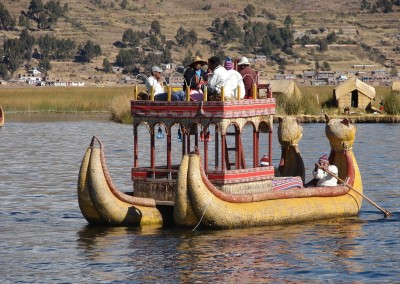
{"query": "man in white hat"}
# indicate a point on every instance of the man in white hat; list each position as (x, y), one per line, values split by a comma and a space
(249, 76)
(156, 81)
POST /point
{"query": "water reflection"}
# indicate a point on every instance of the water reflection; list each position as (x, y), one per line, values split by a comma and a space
(44, 238)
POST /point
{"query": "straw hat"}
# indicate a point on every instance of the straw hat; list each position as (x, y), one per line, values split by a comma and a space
(197, 59)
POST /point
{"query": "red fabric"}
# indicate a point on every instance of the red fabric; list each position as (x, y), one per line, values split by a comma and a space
(249, 78)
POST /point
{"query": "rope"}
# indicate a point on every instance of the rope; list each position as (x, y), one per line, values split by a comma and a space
(204, 212)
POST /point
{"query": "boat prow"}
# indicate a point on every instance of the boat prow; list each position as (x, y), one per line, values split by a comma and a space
(102, 203)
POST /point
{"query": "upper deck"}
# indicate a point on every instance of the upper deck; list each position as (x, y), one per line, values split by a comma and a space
(202, 109)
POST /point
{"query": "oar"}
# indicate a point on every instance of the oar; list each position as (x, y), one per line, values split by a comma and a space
(387, 213)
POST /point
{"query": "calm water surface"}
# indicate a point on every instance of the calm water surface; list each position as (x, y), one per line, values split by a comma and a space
(44, 238)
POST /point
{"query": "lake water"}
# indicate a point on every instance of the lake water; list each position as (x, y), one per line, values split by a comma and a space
(45, 239)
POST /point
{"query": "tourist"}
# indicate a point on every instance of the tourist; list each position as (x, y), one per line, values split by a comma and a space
(217, 80)
(249, 76)
(235, 79)
(195, 77)
(319, 172)
(156, 81)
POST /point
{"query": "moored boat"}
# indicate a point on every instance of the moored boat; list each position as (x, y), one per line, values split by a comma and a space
(225, 186)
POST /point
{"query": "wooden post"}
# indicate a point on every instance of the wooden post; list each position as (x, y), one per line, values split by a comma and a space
(255, 148)
(152, 151)
(222, 93)
(270, 145)
(135, 146)
(216, 146)
(169, 150)
(206, 154)
(169, 93)
(205, 94)
(135, 92)
(254, 91)
(188, 93)
(151, 93)
(223, 147)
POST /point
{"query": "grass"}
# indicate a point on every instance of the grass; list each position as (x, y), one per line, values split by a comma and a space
(64, 100)
(315, 101)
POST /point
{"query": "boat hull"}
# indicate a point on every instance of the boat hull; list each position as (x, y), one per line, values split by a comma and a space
(214, 212)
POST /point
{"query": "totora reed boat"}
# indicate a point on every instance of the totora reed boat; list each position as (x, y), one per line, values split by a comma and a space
(217, 181)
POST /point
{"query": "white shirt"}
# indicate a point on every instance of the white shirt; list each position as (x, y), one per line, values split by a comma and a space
(325, 179)
(236, 83)
(158, 88)
(218, 79)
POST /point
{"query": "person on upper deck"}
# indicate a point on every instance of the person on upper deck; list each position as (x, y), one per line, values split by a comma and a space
(195, 77)
(249, 76)
(325, 179)
(156, 81)
(218, 79)
(235, 78)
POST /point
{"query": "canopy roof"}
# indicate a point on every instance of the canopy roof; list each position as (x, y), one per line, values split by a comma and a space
(354, 84)
(287, 87)
(396, 86)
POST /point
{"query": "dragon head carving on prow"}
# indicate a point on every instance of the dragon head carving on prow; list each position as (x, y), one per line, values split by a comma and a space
(290, 131)
(340, 132)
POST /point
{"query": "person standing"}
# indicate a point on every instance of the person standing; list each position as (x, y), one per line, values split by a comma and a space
(325, 179)
(156, 81)
(249, 76)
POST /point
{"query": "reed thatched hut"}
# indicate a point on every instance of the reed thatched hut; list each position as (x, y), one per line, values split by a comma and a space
(287, 88)
(355, 94)
(396, 87)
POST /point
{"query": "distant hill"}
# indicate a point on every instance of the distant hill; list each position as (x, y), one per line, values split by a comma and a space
(374, 37)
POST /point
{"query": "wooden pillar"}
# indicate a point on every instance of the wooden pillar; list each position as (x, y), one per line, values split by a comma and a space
(238, 148)
(169, 149)
(135, 147)
(152, 151)
(205, 155)
(270, 145)
(183, 137)
(255, 148)
(223, 155)
(216, 147)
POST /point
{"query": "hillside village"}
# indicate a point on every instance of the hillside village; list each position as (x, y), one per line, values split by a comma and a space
(363, 47)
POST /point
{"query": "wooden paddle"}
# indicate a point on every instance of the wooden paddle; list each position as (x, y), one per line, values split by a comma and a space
(387, 213)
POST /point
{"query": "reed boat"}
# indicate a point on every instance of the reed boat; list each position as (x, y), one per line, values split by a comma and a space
(213, 208)
(218, 181)
(1, 117)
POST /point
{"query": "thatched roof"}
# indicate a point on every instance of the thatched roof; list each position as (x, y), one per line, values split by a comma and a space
(286, 87)
(354, 84)
(396, 86)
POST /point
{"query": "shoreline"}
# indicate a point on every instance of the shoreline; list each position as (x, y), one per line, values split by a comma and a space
(368, 118)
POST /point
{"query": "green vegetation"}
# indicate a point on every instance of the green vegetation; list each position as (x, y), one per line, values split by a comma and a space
(65, 100)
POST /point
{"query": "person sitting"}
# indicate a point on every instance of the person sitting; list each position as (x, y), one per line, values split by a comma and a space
(156, 81)
(249, 76)
(319, 173)
(235, 79)
(194, 78)
(218, 79)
